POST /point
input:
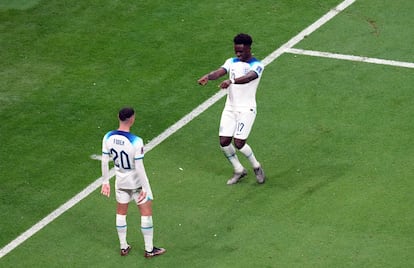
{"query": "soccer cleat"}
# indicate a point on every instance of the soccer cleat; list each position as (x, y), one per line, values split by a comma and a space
(155, 252)
(260, 176)
(237, 177)
(125, 251)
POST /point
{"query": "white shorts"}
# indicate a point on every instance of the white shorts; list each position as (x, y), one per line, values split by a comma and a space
(124, 196)
(237, 124)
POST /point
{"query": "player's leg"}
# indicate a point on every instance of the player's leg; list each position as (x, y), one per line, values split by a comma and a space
(122, 198)
(247, 151)
(230, 153)
(245, 125)
(147, 228)
(226, 131)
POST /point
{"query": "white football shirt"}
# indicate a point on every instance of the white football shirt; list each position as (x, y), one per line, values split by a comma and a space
(242, 95)
(124, 148)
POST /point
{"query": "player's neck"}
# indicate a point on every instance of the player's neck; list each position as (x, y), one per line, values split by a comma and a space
(248, 58)
(123, 127)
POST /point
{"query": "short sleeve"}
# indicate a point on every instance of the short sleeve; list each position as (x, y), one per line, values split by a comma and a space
(227, 64)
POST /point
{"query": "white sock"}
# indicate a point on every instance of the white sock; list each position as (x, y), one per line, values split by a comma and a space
(148, 232)
(230, 152)
(121, 227)
(247, 151)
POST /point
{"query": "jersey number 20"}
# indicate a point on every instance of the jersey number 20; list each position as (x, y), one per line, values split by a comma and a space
(121, 159)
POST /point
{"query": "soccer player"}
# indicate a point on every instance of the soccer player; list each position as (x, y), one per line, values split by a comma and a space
(239, 113)
(131, 182)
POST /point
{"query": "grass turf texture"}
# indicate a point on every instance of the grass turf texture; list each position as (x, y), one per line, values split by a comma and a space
(332, 136)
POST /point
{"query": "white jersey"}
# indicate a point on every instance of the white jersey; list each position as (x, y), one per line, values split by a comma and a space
(242, 96)
(124, 148)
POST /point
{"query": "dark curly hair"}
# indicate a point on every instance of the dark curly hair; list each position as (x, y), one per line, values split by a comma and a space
(243, 39)
(126, 113)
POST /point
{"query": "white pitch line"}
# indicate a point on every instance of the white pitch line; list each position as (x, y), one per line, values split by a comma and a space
(52, 216)
(349, 57)
(307, 31)
(185, 120)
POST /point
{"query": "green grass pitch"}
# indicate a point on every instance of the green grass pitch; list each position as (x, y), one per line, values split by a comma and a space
(334, 136)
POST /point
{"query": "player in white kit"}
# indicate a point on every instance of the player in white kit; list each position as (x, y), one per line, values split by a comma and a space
(131, 181)
(244, 73)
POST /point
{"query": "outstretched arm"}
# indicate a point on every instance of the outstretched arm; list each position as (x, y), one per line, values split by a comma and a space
(212, 76)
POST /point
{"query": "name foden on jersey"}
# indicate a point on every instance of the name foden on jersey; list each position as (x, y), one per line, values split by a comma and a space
(119, 142)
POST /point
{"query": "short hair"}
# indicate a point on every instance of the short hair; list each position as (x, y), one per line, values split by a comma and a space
(126, 113)
(243, 39)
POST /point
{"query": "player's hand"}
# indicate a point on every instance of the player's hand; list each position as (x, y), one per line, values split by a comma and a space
(106, 189)
(225, 84)
(141, 197)
(203, 80)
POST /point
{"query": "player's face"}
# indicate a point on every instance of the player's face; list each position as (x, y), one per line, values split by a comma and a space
(242, 52)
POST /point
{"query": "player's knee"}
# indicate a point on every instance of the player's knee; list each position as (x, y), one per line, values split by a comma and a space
(146, 208)
(225, 141)
(239, 143)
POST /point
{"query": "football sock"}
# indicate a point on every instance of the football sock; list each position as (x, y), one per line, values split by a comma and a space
(148, 232)
(230, 153)
(121, 227)
(247, 151)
